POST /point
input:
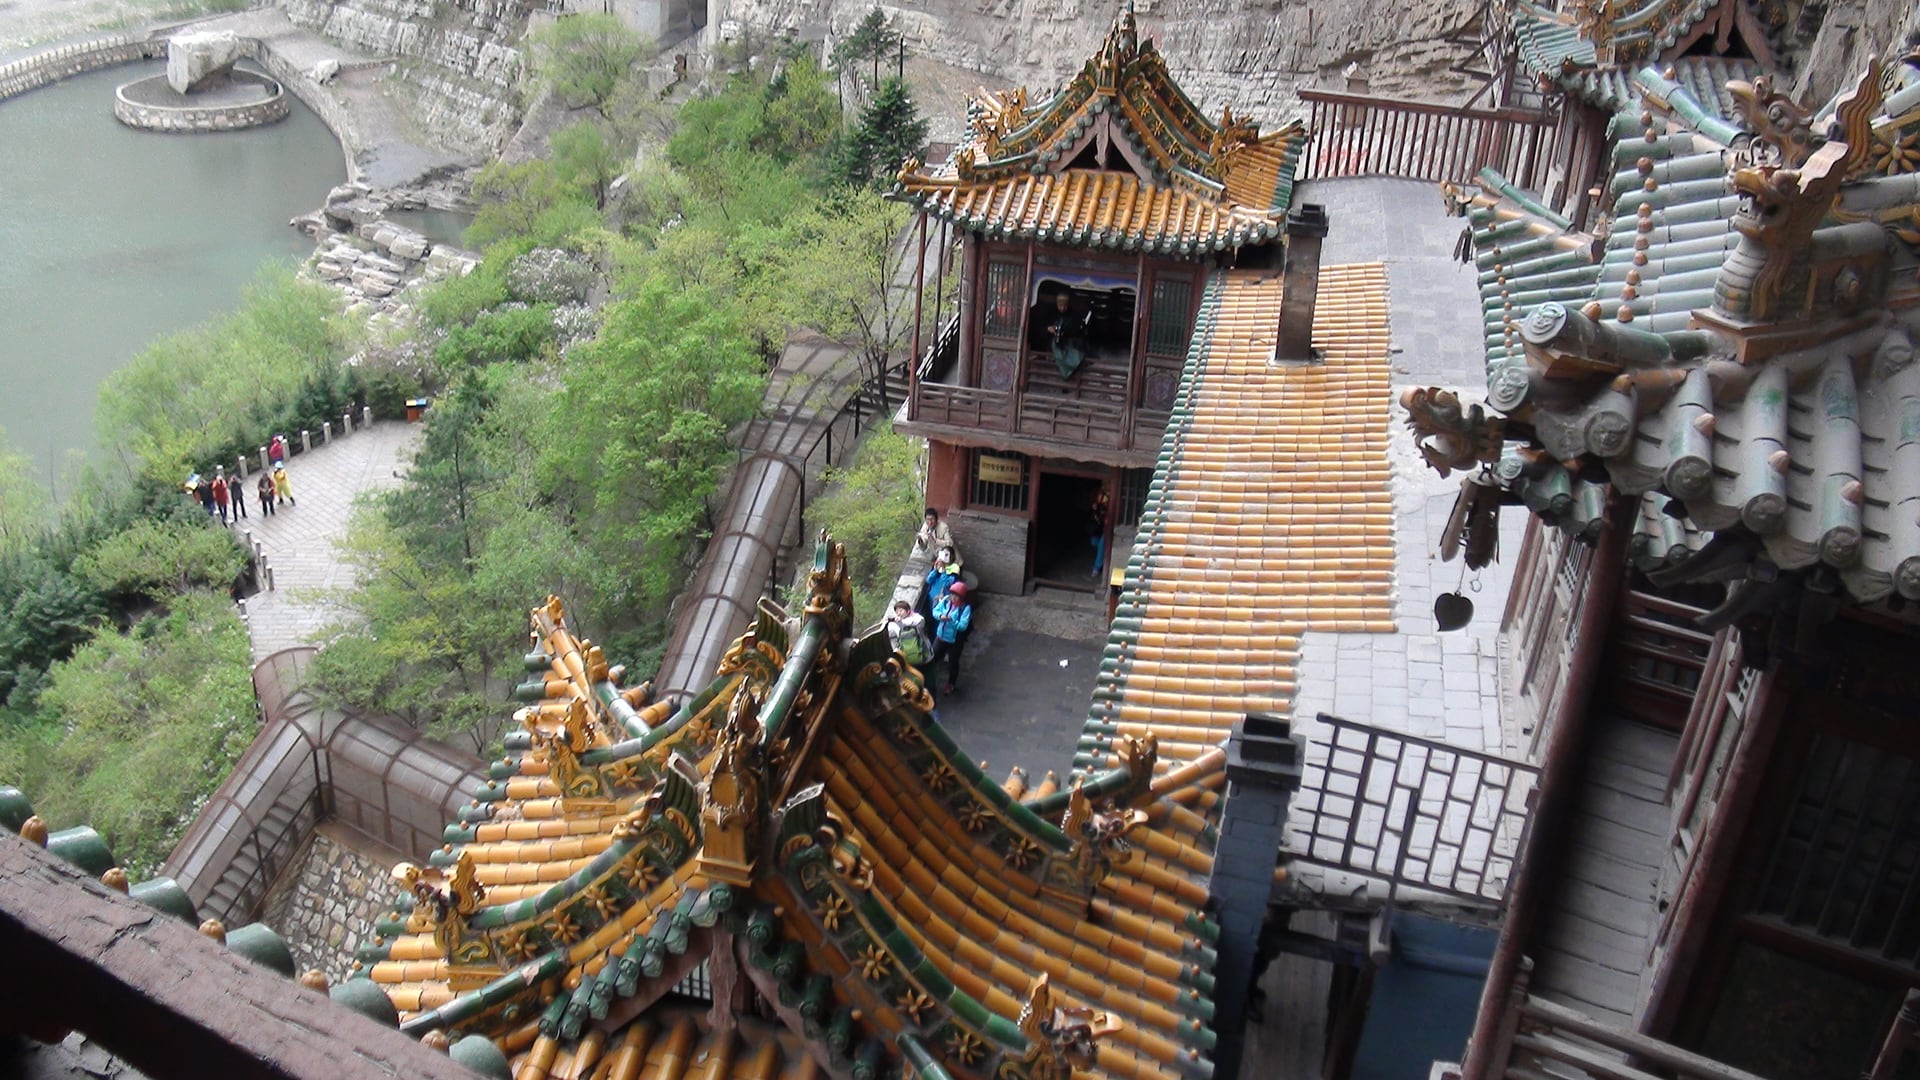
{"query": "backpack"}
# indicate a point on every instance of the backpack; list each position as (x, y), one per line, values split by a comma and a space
(913, 647)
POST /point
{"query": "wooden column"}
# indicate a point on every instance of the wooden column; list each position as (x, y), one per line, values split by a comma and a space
(919, 294)
(1136, 359)
(972, 270)
(1899, 1038)
(1715, 861)
(1018, 396)
(1560, 772)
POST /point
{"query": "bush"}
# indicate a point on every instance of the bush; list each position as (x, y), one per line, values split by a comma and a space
(507, 335)
(549, 276)
(159, 556)
(140, 728)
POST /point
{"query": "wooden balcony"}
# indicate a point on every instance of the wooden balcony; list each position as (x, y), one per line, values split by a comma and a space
(1086, 418)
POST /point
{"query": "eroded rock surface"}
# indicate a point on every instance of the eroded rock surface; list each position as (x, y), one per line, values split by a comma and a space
(198, 60)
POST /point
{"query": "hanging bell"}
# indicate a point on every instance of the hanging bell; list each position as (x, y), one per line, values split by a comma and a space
(1451, 611)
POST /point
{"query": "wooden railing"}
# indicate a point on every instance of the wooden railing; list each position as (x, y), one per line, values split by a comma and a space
(1540, 1039)
(1354, 135)
(1656, 659)
(964, 406)
(1550, 582)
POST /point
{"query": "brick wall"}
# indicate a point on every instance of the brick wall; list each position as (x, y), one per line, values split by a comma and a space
(993, 547)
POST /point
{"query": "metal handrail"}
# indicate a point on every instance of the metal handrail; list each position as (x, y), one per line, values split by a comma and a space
(1414, 812)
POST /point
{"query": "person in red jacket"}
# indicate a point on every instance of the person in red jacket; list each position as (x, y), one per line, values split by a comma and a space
(220, 496)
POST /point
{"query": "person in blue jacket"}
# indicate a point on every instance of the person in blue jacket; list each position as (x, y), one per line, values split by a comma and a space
(952, 619)
(941, 575)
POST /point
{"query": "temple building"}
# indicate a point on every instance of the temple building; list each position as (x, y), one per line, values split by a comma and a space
(1711, 408)
(1091, 231)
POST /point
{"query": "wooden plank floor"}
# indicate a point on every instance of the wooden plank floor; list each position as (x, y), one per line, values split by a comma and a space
(1602, 914)
(1289, 1043)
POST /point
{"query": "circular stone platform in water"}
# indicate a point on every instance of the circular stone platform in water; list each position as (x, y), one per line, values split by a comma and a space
(247, 99)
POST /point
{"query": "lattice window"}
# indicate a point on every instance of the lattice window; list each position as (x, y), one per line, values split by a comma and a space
(696, 984)
(1847, 863)
(997, 490)
(1005, 300)
(1133, 495)
(1170, 323)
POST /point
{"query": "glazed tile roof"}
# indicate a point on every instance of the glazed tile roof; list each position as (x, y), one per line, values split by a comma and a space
(1269, 514)
(1604, 33)
(1561, 48)
(1764, 417)
(1170, 180)
(805, 827)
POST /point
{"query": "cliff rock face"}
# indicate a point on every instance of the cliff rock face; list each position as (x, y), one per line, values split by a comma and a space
(460, 58)
(1851, 32)
(1249, 54)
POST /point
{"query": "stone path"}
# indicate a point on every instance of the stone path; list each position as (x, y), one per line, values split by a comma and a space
(1417, 681)
(299, 542)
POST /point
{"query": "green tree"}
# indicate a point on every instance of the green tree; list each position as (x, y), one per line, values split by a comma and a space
(138, 728)
(585, 58)
(24, 506)
(890, 130)
(838, 270)
(873, 38)
(48, 616)
(201, 396)
(873, 507)
(514, 198)
(586, 159)
(640, 438)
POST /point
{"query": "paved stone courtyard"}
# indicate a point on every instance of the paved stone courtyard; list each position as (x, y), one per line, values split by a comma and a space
(300, 542)
(1418, 681)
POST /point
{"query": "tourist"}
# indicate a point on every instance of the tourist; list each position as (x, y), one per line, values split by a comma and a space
(236, 487)
(265, 490)
(1062, 332)
(204, 492)
(219, 487)
(907, 629)
(282, 486)
(952, 619)
(1097, 530)
(941, 575)
(933, 534)
(277, 449)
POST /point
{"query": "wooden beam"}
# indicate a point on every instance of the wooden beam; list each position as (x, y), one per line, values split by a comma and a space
(168, 1000)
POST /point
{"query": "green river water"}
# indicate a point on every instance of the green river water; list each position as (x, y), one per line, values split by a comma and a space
(111, 237)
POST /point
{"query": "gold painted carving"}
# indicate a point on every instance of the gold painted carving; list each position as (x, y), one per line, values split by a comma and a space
(1099, 838)
(732, 796)
(1060, 1037)
(442, 904)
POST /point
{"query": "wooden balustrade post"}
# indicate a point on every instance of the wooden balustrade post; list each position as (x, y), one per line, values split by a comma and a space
(1899, 1038)
(1500, 1054)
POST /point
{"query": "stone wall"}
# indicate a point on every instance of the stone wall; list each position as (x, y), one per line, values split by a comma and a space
(193, 119)
(33, 72)
(460, 58)
(326, 903)
(1851, 32)
(1250, 54)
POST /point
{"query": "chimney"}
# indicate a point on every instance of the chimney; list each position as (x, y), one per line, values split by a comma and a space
(1306, 228)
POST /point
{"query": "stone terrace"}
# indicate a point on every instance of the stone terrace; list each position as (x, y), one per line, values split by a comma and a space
(300, 542)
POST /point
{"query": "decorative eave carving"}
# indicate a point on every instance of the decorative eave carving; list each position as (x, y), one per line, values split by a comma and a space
(442, 904)
(1061, 1037)
(1768, 279)
(1449, 436)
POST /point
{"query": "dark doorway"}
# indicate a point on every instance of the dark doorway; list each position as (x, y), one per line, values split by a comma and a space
(1064, 527)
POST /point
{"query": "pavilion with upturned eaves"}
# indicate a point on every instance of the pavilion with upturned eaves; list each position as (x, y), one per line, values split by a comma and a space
(1115, 202)
(860, 898)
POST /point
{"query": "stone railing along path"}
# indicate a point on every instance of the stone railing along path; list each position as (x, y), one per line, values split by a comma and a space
(300, 542)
